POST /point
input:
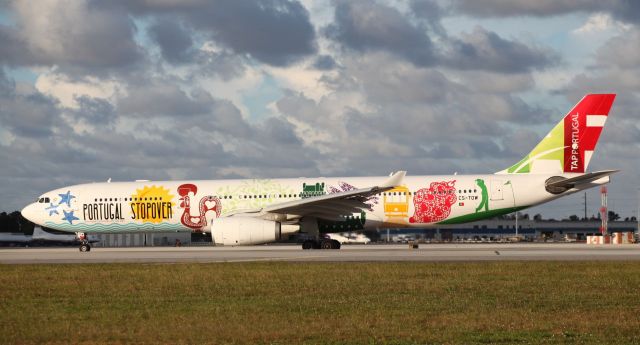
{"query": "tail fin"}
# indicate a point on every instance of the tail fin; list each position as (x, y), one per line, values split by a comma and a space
(570, 144)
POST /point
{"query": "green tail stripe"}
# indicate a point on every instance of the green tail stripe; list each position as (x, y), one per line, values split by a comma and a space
(482, 215)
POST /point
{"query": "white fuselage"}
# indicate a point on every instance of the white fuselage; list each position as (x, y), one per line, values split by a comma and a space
(421, 201)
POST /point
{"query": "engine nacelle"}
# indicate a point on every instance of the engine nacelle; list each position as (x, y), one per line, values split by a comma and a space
(241, 231)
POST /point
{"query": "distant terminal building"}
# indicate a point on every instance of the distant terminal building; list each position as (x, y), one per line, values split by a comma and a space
(506, 228)
(489, 229)
(150, 239)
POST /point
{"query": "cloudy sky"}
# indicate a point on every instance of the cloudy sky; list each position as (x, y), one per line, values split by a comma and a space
(186, 89)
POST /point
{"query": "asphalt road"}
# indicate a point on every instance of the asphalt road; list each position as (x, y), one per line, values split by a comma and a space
(379, 253)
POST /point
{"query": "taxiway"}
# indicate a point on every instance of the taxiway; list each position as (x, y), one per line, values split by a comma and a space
(379, 253)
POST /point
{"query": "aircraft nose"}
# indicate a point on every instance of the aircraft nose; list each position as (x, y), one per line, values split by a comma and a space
(29, 213)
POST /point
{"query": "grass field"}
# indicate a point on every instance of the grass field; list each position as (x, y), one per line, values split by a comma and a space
(353, 303)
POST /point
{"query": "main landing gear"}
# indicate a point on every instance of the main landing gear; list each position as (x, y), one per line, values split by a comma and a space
(324, 243)
(84, 242)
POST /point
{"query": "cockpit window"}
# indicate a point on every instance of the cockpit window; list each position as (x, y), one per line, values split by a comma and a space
(46, 200)
(41, 200)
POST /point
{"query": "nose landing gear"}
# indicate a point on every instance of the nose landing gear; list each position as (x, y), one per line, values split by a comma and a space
(84, 242)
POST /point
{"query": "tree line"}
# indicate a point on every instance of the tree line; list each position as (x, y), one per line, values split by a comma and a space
(15, 222)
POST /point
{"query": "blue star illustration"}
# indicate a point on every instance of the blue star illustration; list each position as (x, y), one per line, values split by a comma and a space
(69, 217)
(52, 209)
(66, 198)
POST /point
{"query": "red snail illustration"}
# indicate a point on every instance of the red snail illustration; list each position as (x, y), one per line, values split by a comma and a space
(200, 221)
(433, 204)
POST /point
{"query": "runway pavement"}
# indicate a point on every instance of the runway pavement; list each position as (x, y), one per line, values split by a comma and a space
(353, 253)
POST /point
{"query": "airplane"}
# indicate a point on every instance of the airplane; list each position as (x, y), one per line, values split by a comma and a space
(257, 211)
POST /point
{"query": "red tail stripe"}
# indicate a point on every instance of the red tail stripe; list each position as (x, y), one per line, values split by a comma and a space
(579, 138)
(594, 105)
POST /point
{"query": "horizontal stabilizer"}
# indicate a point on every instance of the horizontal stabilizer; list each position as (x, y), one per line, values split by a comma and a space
(559, 184)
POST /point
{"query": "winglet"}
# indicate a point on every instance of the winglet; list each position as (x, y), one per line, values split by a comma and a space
(394, 181)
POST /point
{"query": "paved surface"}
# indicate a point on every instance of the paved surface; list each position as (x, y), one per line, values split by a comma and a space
(379, 253)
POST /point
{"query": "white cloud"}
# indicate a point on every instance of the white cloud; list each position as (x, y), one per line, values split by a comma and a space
(65, 90)
(301, 79)
(6, 137)
(600, 22)
(365, 112)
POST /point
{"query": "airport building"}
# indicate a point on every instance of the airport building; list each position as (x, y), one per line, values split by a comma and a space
(497, 229)
(494, 229)
(155, 239)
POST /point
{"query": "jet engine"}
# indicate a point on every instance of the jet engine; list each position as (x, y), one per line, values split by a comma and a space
(242, 231)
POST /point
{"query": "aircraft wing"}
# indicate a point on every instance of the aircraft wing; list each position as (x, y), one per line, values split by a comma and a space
(329, 206)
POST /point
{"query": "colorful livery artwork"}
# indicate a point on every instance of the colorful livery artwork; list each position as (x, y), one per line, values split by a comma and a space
(433, 204)
(197, 221)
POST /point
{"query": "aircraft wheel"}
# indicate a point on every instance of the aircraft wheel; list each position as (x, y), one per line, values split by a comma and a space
(335, 244)
(85, 248)
(308, 244)
(326, 244)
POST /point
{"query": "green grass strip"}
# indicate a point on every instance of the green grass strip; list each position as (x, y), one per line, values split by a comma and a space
(318, 303)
